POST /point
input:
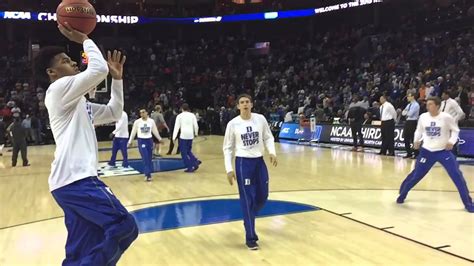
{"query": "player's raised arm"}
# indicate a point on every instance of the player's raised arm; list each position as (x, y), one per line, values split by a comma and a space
(113, 110)
(96, 71)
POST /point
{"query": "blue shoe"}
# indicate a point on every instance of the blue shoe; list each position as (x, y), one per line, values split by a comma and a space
(470, 208)
(252, 245)
(189, 170)
(400, 199)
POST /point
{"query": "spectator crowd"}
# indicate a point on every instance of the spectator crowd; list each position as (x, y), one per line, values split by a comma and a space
(317, 76)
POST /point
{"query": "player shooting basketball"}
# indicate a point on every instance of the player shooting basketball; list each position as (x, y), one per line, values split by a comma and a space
(99, 228)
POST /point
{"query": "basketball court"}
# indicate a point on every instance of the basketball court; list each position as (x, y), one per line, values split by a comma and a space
(326, 206)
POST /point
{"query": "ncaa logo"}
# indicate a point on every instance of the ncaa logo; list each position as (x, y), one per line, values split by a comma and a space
(461, 141)
(286, 130)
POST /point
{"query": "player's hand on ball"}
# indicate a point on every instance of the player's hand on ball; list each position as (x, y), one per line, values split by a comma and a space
(231, 177)
(449, 146)
(116, 61)
(72, 34)
(273, 160)
(416, 145)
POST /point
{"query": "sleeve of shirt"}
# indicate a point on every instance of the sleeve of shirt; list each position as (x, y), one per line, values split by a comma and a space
(119, 124)
(419, 131)
(9, 130)
(228, 147)
(134, 131)
(155, 131)
(80, 84)
(414, 109)
(177, 126)
(452, 125)
(268, 138)
(394, 112)
(405, 111)
(162, 121)
(196, 127)
(112, 111)
(459, 112)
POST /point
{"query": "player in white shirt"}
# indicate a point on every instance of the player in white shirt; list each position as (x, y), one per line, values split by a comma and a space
(439, 133)
(120, 140)
(99, 228)
(186, 122)
(248, 135)
(388, 116)
(143, 128)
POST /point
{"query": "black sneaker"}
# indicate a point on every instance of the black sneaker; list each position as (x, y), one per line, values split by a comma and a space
(148, 178)
(252, 245)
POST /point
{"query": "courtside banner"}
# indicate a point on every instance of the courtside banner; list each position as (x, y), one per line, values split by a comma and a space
(466, 141)
(341, 134)
(290, 131)
(293, 131)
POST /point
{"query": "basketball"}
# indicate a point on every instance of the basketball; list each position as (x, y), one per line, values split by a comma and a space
(80, 14)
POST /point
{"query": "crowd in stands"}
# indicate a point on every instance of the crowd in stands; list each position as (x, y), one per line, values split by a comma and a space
(311, 76)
